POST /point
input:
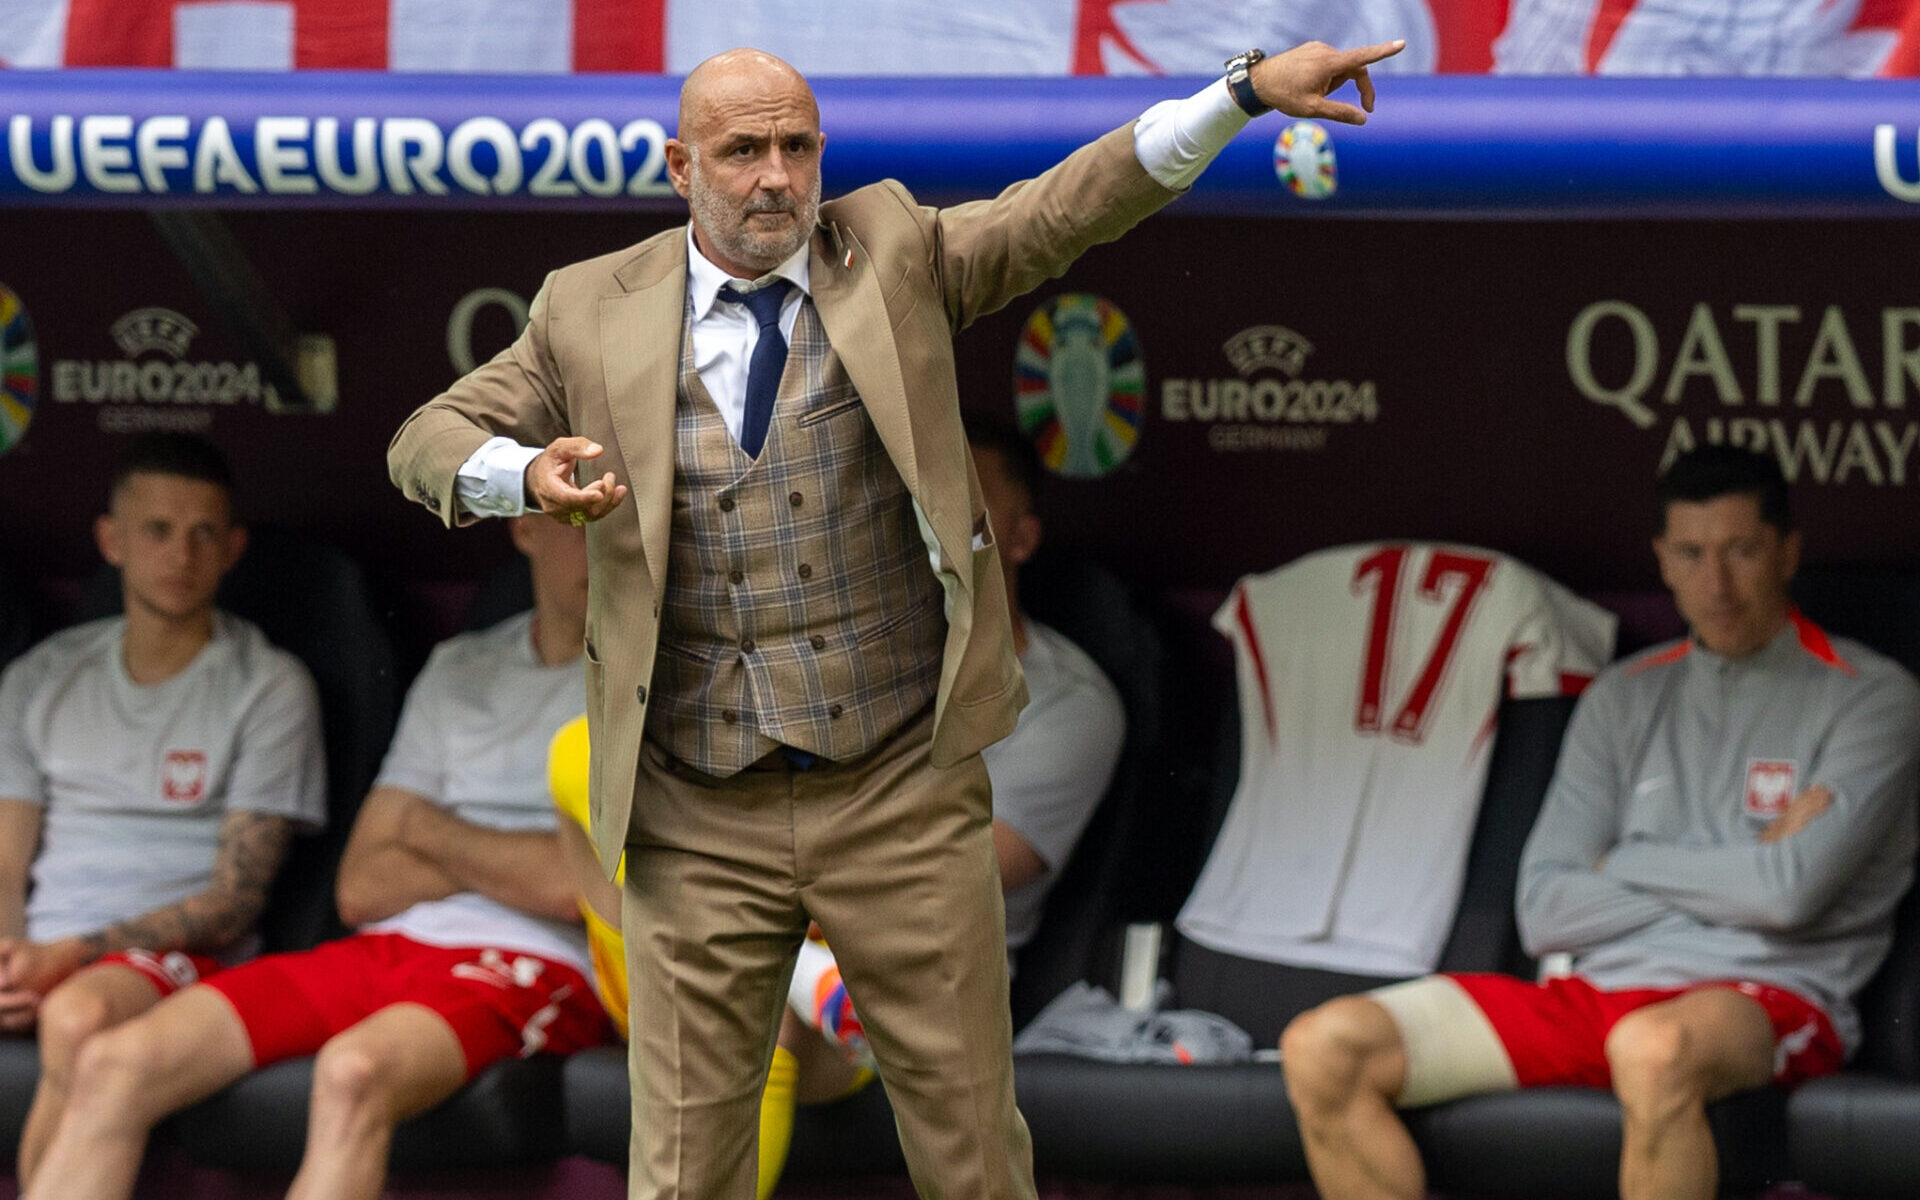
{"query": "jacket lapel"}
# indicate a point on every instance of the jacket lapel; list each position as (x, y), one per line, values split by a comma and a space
(846, 294)
(640, 368)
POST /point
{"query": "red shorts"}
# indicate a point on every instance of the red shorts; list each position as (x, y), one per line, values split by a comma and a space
(1556, 1032)
(168, 971)
(498, 1002)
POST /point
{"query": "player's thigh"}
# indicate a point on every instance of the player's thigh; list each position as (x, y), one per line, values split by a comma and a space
(183, 1049)
(1716, 1038)
(1439, 1040)
(94, 998)
(406, 1057)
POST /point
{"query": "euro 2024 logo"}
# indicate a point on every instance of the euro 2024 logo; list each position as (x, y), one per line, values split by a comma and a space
(1079, 385)
(19, 369)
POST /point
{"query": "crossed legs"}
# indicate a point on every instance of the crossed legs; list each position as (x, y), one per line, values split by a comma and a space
(1347, 1064)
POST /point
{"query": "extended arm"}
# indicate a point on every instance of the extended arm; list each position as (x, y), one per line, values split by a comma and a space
(1870, 764)
(988, 252)
(1564, 903)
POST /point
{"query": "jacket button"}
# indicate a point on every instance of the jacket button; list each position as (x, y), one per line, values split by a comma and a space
(819, 643)
(796, 499)
(746, 645)
(726, 504)
(834, 711)
(640, 693)
(736, 577)
(729, 716)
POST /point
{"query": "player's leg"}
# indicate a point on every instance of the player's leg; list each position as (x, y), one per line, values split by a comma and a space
(402, 1060)
(906, 888)
(125, 1079)
(1353, 1061)
(1345, 1064)
(89, 1001)
(439, 1016)
(1669, 1060)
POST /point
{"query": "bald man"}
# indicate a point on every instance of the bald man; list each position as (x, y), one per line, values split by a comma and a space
(798, 639)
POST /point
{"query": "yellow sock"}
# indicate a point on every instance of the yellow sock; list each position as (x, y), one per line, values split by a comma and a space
(776, 1118)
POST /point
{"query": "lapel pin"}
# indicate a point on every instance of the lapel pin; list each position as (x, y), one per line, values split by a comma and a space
(848, 261)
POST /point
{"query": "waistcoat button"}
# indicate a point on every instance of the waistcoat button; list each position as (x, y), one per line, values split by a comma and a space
(806, 572)
(819, 643)
(726, 504)
(795, 499)
(735, 576)
(834, 710)
(746, 645)
(729, 716)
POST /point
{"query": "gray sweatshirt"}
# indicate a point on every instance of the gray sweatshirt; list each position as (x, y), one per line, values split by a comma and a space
(1674, 762)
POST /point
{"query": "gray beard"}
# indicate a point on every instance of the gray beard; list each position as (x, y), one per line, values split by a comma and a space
(737, 240)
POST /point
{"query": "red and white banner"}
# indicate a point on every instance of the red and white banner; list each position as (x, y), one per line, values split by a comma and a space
(937, 37)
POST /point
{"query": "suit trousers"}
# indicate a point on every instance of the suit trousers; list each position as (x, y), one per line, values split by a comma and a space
(894, 858)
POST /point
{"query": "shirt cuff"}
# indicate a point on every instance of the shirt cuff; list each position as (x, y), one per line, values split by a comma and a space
(1176, 139)
(493, 482)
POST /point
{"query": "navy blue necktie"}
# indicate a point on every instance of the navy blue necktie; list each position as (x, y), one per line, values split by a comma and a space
(768, 362)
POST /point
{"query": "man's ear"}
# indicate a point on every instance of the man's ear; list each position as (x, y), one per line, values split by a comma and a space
(103, 537)
(236, 546)
(679, 166)
(1660, 556)
(1790, 553)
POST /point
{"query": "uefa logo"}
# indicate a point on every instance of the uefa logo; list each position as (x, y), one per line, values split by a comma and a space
(1303, 159)
(19, 369)
(1079, 386)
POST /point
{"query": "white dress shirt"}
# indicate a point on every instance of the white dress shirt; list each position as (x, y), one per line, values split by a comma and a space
(1174, 141)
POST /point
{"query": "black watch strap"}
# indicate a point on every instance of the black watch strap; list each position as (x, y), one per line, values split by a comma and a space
(1240, 82)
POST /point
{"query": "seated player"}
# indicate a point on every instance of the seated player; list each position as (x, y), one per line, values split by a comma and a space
(153, 767)
(1048, 776)
(468, 948)
(1728, 832)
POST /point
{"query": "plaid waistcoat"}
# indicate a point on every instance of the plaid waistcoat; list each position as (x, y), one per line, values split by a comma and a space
(800, 606)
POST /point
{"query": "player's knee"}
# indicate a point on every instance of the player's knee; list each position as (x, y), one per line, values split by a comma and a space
(1327, 1051)
(352, 1076)
(1653, 1061)
(347, 1074)
(68, 1017)
(112, 1069)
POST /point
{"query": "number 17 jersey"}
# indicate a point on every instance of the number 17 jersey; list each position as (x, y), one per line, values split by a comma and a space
(1368, 679)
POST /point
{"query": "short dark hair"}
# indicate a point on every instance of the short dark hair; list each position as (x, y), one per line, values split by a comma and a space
(1017, 456)
(1709, 472)
(186, 455)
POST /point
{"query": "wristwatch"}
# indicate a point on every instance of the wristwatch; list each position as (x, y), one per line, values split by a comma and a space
(1240, 82)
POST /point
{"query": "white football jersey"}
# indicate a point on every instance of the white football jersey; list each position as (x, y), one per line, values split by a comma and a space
(1369, 677)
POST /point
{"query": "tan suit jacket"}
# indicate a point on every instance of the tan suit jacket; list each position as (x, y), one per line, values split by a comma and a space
(892, 282)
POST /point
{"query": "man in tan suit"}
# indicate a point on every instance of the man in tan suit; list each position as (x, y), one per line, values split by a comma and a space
(798, 639)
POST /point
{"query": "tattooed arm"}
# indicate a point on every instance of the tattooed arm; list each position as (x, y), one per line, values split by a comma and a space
(19, 838)
(252, 846)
